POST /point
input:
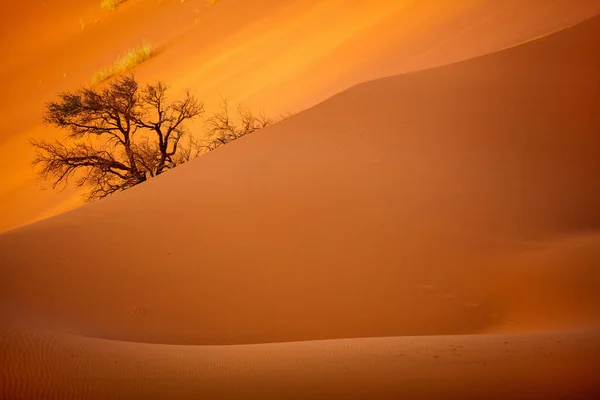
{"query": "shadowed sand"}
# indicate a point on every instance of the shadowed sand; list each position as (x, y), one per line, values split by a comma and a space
(452, 201)
(426, 235)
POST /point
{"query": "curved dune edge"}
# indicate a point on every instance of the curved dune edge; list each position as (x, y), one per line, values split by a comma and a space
(546, 286)
(507, 145)
(254, 60)
(555, 365)
(461, 199)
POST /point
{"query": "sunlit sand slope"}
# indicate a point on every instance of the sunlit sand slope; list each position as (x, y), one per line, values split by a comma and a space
(454, 208)
(456, 200)
(276, 55)
(549, 365)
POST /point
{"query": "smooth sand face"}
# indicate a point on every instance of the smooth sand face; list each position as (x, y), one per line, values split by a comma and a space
(425, 191)
(455, 209)
(250, 51)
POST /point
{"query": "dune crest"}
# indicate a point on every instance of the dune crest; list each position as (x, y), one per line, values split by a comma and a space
(427, 235)
(270, 47)
(405, 188)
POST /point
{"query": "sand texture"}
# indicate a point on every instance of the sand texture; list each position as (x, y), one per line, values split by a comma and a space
(432, 234)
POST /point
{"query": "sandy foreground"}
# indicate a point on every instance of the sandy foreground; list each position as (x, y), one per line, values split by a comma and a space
(427, 235)
(541, 365)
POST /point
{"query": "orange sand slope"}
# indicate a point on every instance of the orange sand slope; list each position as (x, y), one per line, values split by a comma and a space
(276, 55)
(460, 202)
(533, 366)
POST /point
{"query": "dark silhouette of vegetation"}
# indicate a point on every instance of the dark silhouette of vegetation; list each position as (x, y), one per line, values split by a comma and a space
(128, 134)
(125, 134)
(222, 129)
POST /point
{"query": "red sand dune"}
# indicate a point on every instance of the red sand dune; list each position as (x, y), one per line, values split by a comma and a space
(276, 55)
(426, 235)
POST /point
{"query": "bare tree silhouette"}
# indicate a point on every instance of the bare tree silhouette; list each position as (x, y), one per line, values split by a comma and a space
(126, 135)
(222, 129)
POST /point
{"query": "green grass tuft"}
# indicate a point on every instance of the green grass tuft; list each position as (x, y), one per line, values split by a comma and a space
(125, 63)
(110, 5)
(134, 57)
